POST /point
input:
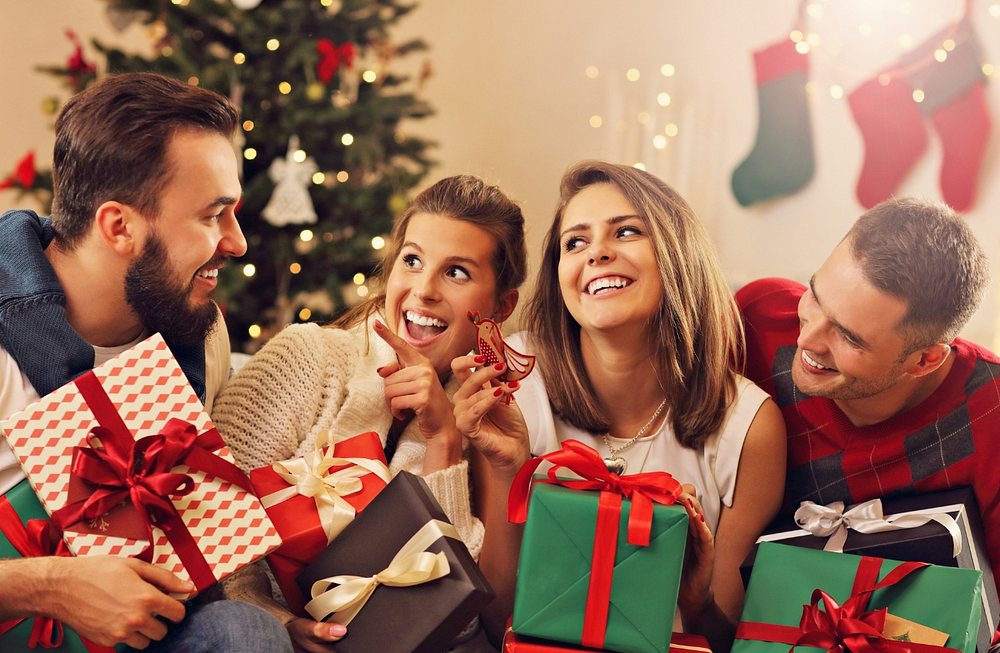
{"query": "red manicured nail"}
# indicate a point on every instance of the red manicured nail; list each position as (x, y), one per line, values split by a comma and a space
(498, 366)
(498, 392)
(512, 385)
(480, 359)
(701, 517)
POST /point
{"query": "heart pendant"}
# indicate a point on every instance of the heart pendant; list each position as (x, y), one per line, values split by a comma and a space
(616, 465)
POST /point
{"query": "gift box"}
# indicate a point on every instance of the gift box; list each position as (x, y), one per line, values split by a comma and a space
(428, 587)
(312, 498)
(127, 463)
(25, 532)
(930, 528)
(514, 643)
(585, 576)
(784, 604)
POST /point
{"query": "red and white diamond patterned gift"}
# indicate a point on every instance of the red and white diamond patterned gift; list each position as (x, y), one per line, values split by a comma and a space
(142, 392)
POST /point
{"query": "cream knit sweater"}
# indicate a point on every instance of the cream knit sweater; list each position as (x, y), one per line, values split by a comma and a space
(309, 378)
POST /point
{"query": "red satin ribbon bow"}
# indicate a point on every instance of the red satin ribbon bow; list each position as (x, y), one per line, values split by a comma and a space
(24, 173)
(642, 489)
(331, 56)
(35, 541)
(847, 627)
(124, 468)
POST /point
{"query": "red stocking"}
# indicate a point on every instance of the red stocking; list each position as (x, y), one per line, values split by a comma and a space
(894, 135)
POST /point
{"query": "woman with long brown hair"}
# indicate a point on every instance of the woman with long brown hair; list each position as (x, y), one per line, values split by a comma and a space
(638, 343)
(458, 249)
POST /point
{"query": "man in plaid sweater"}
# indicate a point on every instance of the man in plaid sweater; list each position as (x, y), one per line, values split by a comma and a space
(878, 394)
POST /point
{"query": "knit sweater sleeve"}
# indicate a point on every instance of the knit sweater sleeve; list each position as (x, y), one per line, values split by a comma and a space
(449, 486)
(269, 408)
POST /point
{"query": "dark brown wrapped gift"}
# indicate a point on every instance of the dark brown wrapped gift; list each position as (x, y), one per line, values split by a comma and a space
(423, 617)
(931, 542)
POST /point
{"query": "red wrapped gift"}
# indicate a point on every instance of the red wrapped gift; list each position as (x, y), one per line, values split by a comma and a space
(312, 498)
(128, 463)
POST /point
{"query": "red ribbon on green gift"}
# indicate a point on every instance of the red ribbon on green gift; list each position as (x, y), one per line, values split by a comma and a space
(35, 541)
(125, 468)
(848, 627)
(643, 489)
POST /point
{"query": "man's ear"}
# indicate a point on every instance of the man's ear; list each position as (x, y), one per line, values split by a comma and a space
(506, 305)
(118, 225)
(931, 358)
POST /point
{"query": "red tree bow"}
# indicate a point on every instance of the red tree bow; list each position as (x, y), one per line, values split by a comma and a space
(23, 175)
(642, 489)
(331, 56)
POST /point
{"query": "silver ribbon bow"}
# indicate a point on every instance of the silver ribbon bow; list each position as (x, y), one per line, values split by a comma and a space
(310, 476)
(412, 565)
(832, 521)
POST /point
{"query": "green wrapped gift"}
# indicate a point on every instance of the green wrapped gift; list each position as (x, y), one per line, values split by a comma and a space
(555, 569)
(18, 506)
(784, 578)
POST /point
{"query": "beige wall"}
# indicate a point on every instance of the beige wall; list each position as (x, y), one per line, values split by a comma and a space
(514, 105)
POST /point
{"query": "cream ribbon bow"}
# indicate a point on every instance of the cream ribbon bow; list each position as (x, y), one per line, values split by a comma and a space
(831, 521)
(413, 565)
(310, 476)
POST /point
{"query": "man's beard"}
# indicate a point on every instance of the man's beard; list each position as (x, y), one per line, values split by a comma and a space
(162, 304)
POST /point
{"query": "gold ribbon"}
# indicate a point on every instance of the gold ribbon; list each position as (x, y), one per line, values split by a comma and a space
(310, 476)
(832, 521)
(412, 565)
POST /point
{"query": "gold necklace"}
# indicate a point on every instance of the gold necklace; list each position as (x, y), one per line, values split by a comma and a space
(616, 463)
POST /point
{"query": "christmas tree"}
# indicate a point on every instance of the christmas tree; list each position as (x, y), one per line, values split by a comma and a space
(325, 165)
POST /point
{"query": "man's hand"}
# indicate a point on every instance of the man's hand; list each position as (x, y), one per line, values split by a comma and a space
(108, 599)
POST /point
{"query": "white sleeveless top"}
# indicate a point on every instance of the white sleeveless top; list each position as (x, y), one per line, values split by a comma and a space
(711, 470)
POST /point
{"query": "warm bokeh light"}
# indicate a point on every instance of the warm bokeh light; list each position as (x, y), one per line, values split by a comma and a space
(306, 235)
(239, 58)
(592, 72)
(249, 270)
(369, 76)
(299, 156)
(670, 130)
(359, 279)
(802, 47)
(663, 99)
(250, 154)
(918, 95)
(640, 165)
(248, 125)
(347, 139)
(342, 176)
(667, 70)
(836, 92)
(632, 74)
(272, 45)
(295, 268)
(319, 178)
(254, 330)
(595, 121)
(378, 242)
(305, 314)
(659, 141)
(285, 88)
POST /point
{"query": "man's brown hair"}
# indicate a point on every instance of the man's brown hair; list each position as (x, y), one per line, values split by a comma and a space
(112, 140)
(922, 252)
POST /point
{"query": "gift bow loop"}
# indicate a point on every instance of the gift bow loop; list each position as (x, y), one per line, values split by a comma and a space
(832, 521)
(412, 565)
(310, 476)
(331, 56)
(643, 489)
(33, 541)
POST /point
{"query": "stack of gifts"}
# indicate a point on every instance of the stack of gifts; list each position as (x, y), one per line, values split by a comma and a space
(836, 601)
(398, 576)
(941, 528)
(311, 499)
(127, 463)
(601, 558)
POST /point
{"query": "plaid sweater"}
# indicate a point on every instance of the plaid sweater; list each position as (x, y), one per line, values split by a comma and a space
(950, 439)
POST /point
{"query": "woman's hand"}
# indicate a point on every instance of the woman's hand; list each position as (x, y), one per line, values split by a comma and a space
(310, 636)
(411, 384)
(695, 595)
(482, 415)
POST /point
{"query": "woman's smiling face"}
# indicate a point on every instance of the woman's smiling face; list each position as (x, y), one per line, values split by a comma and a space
(607, 268)
(442, 274)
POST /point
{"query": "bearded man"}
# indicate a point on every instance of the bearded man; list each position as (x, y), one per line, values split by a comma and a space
(878, 393)
(143, 218)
